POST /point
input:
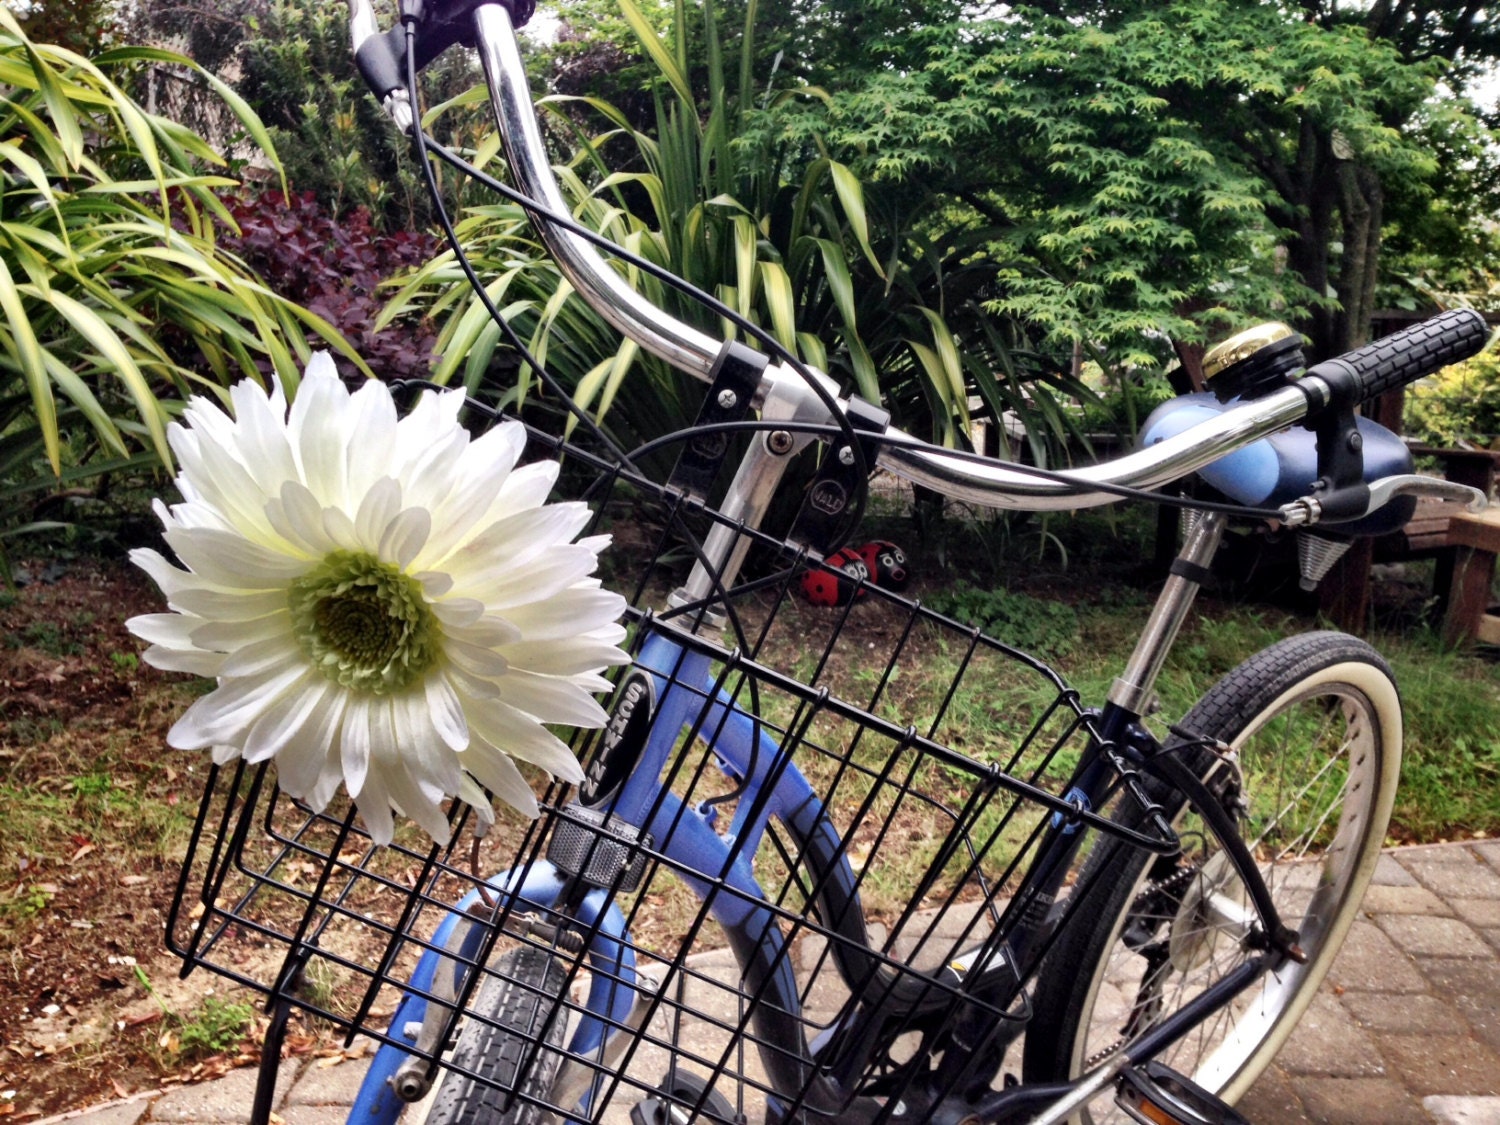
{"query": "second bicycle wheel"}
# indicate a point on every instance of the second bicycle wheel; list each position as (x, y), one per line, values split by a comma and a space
(1316, 723)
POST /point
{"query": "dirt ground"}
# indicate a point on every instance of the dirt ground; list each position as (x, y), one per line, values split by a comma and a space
(99, 808)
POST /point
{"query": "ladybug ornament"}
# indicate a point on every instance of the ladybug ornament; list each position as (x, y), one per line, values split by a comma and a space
(838, 581)
(886, 564)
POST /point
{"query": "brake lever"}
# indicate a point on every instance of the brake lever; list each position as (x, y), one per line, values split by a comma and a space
(1308, 510)
(381, 58)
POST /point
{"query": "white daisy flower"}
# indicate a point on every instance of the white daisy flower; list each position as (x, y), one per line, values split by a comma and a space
(384, 602)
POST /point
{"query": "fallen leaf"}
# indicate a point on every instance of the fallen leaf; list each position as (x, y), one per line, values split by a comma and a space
(81, 852)
(121, 1090)
(134, 880)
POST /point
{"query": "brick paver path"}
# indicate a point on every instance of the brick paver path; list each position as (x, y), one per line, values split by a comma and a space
(1406, 1029)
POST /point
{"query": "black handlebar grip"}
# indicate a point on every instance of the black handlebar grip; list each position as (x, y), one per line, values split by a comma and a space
(1404, 357)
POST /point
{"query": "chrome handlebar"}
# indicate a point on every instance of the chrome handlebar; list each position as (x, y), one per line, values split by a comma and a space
(988, 483)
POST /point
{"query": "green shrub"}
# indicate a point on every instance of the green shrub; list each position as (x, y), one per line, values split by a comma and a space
(775, 229)
(115, 302)
(1460, 403)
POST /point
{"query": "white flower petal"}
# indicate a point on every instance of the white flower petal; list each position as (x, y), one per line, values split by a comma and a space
(486, 632)
(228, 559)
(297, 516)
(355, 744)
(434, 583)
(371, 438)
(340, 528)
(261, 433)
(226, 636)
(263, 657)
(404, 536)
(170, 629)
(497, 773)
(482, 662)
(377, 510)
(570, 657)
(167, 577)
(446, 712)
(282, 720)
(472, 794)
(190, 660)
(312, 750)
(461, 613)
(568, 613)
(521, 736)
(226, 713)
(430, 762)
(552, 699)
(317, 431)
(225, 605)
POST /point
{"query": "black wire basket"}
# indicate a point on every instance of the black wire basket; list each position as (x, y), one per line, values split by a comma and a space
(937, 757)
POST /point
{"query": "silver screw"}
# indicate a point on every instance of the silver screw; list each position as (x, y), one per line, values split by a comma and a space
(846, 455)
(779, 441)
(727, 399)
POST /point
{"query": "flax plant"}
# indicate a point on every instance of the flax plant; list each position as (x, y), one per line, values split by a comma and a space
(114, 301)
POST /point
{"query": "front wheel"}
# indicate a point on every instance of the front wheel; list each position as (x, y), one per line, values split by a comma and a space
(1316, 723)
(500, 1036)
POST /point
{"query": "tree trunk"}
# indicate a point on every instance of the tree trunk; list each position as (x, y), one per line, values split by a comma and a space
(1362, 202)
(1312, 209)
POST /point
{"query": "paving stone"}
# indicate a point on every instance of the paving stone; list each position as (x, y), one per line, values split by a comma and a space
(1473, 988)
(1358, 1101)
(1455, 852)
(1441, 1064)
(1471, 878)
(1380, 1011)
(1327, 1042)
(226, 1099)
(328, 1085)
(1402, 900)
(1482, 912)
(1272, 1099)
(1422, 936)
(119, 1113)
(1389, 873)
(1371, 962)
(315, 1114)
(1488, 850)
(1449, 1109)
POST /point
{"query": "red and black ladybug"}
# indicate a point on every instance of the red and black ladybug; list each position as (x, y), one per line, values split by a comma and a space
(886, 563)
(838, 580)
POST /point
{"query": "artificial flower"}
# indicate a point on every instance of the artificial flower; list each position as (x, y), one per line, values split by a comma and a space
(384, 602)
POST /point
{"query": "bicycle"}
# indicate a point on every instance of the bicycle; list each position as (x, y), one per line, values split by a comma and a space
(1109, 911)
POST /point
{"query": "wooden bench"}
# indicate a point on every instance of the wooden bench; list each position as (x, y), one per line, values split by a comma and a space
(1475, 539)
(1428, 534)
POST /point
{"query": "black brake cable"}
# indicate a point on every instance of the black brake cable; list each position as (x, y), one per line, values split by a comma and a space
(420, 146)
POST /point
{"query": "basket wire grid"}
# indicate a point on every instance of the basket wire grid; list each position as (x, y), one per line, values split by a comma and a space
(912, 864)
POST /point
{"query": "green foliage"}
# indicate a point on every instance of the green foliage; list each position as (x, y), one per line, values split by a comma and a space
(298, 74)
(1461, 403)
(1044, 626)
(217, 1026)
(769, 225)
(116, 301)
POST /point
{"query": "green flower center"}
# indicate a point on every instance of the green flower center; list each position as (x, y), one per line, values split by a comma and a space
(364, 624)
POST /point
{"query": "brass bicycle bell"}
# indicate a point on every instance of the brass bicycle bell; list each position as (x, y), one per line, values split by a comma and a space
(1253, 362)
